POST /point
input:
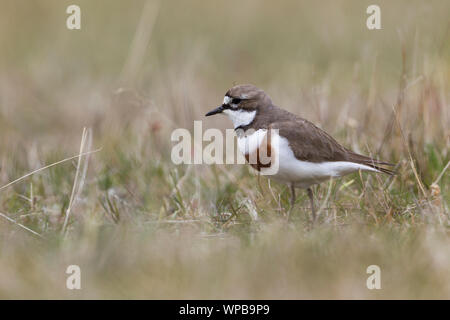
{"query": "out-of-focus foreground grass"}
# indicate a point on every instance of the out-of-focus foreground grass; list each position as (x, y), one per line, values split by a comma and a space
(142, 227)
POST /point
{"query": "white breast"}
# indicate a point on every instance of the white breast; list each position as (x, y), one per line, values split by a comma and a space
(249, 143)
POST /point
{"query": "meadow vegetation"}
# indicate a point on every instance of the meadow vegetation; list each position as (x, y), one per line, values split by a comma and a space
(141, 227)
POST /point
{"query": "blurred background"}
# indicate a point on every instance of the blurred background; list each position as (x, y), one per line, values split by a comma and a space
(141, 227)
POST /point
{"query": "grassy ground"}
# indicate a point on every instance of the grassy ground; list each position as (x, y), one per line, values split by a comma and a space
(141, 227)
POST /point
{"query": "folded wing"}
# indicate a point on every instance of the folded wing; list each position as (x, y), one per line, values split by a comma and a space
(310, 143)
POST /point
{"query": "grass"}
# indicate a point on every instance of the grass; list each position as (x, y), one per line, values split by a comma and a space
(141, 227)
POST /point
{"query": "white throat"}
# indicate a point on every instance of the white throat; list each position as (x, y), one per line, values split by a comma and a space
(240, 117)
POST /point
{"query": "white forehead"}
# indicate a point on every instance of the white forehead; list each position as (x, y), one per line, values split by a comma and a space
(227, 100)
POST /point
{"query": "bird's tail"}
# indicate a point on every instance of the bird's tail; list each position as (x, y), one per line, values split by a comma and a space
(373, 163)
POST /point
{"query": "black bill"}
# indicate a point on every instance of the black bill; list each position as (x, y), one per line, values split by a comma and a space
(215, 111)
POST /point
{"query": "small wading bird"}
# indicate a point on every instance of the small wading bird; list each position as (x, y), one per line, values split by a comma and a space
(306, 154)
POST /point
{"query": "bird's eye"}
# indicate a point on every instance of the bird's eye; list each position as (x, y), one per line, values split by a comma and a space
(235, 101)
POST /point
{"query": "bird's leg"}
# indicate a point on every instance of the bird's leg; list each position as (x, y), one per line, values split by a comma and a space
(311, 198)
(292, 200)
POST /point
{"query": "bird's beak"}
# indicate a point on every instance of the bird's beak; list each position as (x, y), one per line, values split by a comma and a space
(215, 111)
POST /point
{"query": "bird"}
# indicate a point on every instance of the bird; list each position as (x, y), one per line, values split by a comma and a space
(301, 153)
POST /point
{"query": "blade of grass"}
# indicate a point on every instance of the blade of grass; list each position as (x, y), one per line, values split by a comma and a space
(20, 225)
(75, 181)
(48, 166)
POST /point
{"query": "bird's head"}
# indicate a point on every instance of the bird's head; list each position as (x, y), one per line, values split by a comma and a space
(241, 104)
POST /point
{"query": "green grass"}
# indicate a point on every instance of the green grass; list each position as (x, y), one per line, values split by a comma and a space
(142, 227)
